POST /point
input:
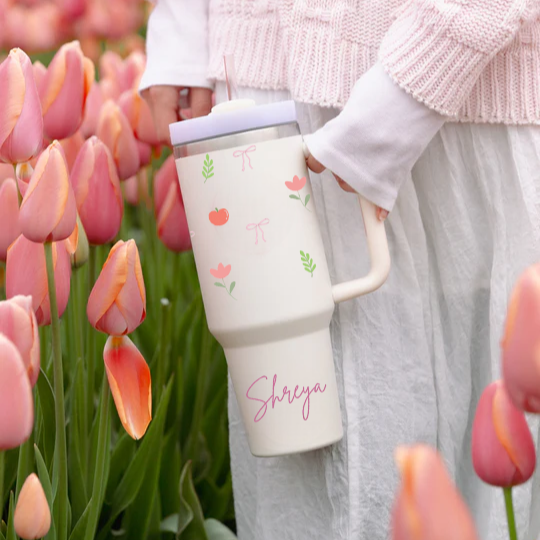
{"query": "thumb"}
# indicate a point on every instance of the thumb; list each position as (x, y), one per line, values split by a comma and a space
(314, 165)
(200, 101)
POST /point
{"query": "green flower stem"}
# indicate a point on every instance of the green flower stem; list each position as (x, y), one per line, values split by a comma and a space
(24, 467)
(2, 469)
(163, 358)
(91, 343)
(60, 451)
(510, 513)
(99, 479)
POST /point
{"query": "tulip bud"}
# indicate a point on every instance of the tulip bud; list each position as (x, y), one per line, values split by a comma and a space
(97, 192)
(135, 189)
(16, 402)
(139, 116)
(77, 246)
(130, 383)
(48, 211)
(32, 518)
(502, 446)
(117, 303)
(71, 147)
(6, 170)
(40, 71)
(64, 90)
(114, 130)
(521, 342)
(18, 323)
(24, 173)
(21, 123)
(9, 215)
(100, 92)
(428, 505)
(26, 274)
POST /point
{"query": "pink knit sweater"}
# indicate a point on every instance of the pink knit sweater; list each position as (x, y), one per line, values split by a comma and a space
(474, 60)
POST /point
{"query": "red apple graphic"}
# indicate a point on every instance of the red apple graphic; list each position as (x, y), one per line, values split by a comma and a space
(219, 217)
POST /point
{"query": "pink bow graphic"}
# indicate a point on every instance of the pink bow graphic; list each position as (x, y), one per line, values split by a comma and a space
(257, 227)
(244, 154)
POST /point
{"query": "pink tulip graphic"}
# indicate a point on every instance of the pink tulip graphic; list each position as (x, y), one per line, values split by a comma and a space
(296, 185)
(221, 273)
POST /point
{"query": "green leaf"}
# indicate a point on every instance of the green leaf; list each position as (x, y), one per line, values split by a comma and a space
(211, 162)
(46, 401)
(233, 285)
(43, 475)
(210, 175)
(170, 524)
(80, 527)
(307, 265)
(217, 531)
(313, 268)
(218, 284)
(121, 457)
(308, 196)
(171, 467)
(307, 270)
(2, 537)
(11, 525)
(294, 197)
(303, 254)
(307, 256)
(194, 528)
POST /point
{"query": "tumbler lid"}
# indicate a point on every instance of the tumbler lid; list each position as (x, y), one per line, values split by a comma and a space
(234, 120)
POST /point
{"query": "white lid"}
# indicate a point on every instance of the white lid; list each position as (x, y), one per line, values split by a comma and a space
(232, 118)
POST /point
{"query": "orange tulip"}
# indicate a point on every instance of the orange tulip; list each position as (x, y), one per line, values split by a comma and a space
(428, 505)
(21, 123)
(16, 402)
(26, 274)
(139, 116)
(48, 211)
(24, 173)
(502, 446)
(64, 90)
(32, 517)
(18, 323)
(97, 192)
(130, 383)
(117, 303)
(521, 342)
(9, 215)
(114, 130)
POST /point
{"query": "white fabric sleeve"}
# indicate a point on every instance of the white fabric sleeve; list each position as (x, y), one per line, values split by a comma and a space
(177, 45)
(377, 138)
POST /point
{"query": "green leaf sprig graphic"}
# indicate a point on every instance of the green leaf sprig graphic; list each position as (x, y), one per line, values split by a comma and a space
(208, 168)
(299, 198)
(308, 263)
(228, 289)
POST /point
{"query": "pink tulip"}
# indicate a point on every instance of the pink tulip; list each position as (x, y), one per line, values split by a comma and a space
(114, 130)
(164, 178)
(139, 116)
(24, 172)
(130, 383)
(77, 246)
(297, 184)
(64, 90)
(111, 66)
(26, 274)
(9, 215)
(113, 20)
(32, 517)
(21, 123)
(99, 93)
(521, 369)
(40, 72)
(502, 446)
(71, 9)
(221, 272)
(6, 171)
(16, 403)
(18, 323)
(117, 303)
(135, 189)
(172, 226)
(71, 147)
(428, 505)
(97, 192)
(126, 73)
(48, 210)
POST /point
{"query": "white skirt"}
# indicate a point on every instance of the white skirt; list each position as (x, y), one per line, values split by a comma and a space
(413, 358)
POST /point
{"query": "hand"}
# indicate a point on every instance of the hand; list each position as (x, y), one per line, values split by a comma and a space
(164, 102)
(318, 168)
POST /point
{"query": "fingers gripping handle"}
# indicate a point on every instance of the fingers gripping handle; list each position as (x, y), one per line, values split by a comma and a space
(378, 253)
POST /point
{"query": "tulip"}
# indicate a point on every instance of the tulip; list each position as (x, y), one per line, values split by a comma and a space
(502, 446)
(18, 323)
(164, 178)
(71, 147)
(64, 90)
(99, 93)
(71, 9)
(24, 173)
(9, 215)
(16, 402)
(26, 274)
(6, 170)
(428, 505)
(48, 210)
(114, 130)
(111, 66)
(139, 115)
(130, 383)
(21, 123)
(135, 189)
(172, 226)
(117, 303)
(32, 517)
(77, 246)
(40, 71)
(520, 366)
(97, 192)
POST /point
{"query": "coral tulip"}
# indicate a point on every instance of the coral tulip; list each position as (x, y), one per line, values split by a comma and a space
(164, 178)
(139, 115)
(18, 323)
(521, 342)
(6, 170)
(9, 215)
(71, 147)
(40, 71)
(114, 130)
(130, 383)
(26, 274)
(99, 93)
(428, 505)
(502, 446)
(117, 303)
(78, 248)
(21, 123)
(16, 402)
(126, 73)
(64, 90)
(135, 189)
(32, 517)
(48, 210)
(24, 173)
(97, 192)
